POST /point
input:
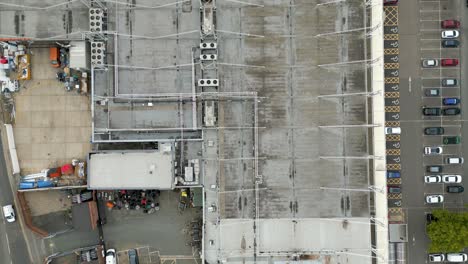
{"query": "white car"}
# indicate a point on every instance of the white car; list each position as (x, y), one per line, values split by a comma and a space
(432, 179)
(436, 257)
(457, 257)
(449, 34)
(110, 256)
(454, 160)
(392, 131)
(9, 213)
(432, 150)
(451, 178)
(429, 63)
(434, 198)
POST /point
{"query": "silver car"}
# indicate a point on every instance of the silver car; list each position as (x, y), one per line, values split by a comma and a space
(430, 63)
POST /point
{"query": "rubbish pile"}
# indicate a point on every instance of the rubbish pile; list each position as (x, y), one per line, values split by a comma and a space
(73, 79)
(146, 200)
(55, 177)
(15, 65)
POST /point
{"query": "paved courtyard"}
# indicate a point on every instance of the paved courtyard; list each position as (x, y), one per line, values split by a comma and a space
(52, 126)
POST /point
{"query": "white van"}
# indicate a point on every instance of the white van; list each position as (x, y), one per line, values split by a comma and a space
(9, 213)
(110, 256)
(457, 257)
(454, 160)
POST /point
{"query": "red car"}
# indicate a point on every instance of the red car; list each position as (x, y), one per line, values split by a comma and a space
(390, 2)
(449, 62)
(450, 23)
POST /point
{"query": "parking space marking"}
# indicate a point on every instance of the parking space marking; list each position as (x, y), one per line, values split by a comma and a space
(391, 51)
(391, 66)
(392, 124)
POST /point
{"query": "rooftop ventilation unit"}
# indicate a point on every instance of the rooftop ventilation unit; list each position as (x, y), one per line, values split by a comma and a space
(208, 57)
(96, 19)
(98, 53)
(208, 45)
(208, 82)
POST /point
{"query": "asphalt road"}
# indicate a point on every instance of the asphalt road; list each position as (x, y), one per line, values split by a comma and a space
(12, 243)
(419, 24)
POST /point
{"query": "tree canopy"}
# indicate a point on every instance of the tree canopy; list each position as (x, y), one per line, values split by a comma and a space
(449, 233)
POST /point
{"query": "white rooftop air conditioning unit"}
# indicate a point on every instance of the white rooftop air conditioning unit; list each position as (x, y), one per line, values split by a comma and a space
(208, 45)
(96, 19)
(98, 53)
(208, 57)
(208, 82)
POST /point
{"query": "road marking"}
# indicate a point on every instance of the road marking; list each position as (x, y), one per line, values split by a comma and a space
(8, 244)
(409, 84)
(431, 39)
(431, 29)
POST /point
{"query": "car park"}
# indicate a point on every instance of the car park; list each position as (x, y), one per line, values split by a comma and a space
(9, 213)
(433, 131)
(450, 23)
(431, 111)
(393, 174)
(432, 92)
(436, 257)
(451, 178)
(393, 189)
(451, 111)
(433, 150)
(449, 82)
(455, 189)
(434, 198)
(432, 179)
(392, 130)
(110, 256)
(450, 43)
(457, 257)
(454, 160)
(450, 101)
(429, 63)
(449, 34)
(449, 62)
(452, 140)
(434, 168)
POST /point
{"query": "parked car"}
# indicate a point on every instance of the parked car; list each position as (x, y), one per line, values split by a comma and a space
(393, 189)
(432, 92)
(451, 111)
(392, 130)
(457, 257)
(9, 213)
(434, 168)
(429, 63)
(110, 256)
(450, 23)
(455, 189)
(451, 178)
(449, 82)
(450, 101)
(432, 179)
(454, 160)
(452, 140)
(432, 131)
(449, 34)
(431, 111)
(390, 2)
(433, 150)
(450, 43)
(434, 198)
(436, 257)
(393, 174)
(449, 62)
(133, 256)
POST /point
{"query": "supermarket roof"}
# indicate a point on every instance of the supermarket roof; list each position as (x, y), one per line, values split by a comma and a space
(131, 169)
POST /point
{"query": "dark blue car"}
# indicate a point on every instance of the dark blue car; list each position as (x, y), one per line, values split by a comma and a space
(393, 174)
(451, 101)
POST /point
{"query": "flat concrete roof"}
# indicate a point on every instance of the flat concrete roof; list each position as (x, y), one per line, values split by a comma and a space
(131, 170)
